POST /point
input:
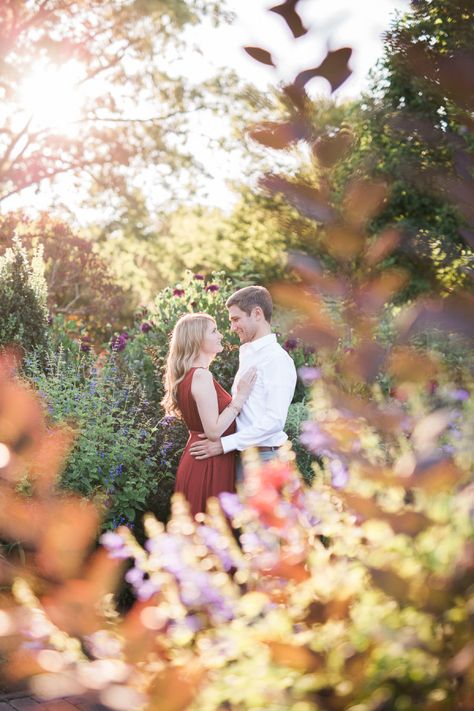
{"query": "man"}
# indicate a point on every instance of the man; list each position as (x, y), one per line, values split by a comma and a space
(261, 421)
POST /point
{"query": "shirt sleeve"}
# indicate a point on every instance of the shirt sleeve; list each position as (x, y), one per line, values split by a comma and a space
(280, 381)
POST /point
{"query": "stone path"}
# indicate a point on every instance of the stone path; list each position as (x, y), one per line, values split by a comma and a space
(22, 702)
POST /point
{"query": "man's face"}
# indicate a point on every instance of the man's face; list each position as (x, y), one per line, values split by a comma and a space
(245, 326)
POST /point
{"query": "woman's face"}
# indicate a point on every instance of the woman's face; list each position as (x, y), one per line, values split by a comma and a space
(212, 342)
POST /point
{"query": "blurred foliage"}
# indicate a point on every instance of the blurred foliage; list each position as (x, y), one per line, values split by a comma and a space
(23, 295)
(354, 594)
(79, 283)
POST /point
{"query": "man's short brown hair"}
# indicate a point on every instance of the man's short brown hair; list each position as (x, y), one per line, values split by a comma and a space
(251, 296)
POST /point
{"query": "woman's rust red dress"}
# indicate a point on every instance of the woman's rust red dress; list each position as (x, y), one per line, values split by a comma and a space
(200, 479)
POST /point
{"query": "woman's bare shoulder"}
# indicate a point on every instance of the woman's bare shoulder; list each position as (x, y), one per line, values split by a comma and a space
(202, 375)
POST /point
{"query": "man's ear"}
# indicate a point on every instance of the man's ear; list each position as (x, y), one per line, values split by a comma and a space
(258, 313)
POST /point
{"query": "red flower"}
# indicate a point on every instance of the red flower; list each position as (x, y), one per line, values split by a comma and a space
(274, 474)
(178, 292)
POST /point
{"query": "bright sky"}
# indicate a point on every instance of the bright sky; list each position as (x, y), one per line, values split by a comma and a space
(332, 24)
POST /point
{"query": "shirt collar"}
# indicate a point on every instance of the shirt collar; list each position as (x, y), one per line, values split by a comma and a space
(258, 344)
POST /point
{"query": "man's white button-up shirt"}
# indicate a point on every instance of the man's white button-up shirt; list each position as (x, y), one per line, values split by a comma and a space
(262, 418)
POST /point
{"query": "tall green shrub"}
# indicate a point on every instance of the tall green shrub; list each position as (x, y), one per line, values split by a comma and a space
(23, 295)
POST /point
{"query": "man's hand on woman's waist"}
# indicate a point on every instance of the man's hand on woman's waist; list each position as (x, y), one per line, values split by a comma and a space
(205, 448)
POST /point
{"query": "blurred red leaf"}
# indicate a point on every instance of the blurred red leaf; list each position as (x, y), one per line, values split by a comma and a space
(321, 612)
(261, 55)
(391, 584)
(334, 68)
(373, 295)
(407, 522)
(295, 657)
(363, 363)
(463, 661)
(382, 246)
(342, 242)
(441, 475)
(363, 200)
(50, 458)
(62, 547)
(291, 17)
(309, 201)
(409, 365)
(277, 135)
(453, 313)
(289, 569)
(75, 606)
(330, 149)
(319, 327)
(175, 688)
(313, 274)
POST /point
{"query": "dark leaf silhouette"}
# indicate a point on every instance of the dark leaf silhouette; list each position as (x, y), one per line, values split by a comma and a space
(293, 20)
(330, 149)
(260, 55)
(334, 68)
(452, 313)
(295, 657)
(391, 583)
(277, 135)
(307, 200)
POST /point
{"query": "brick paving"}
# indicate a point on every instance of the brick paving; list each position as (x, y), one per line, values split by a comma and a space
(23, 702)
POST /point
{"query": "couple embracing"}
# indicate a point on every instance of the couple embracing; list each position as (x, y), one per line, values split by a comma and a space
(222, 425)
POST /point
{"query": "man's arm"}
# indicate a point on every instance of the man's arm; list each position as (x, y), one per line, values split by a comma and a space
(205, 448)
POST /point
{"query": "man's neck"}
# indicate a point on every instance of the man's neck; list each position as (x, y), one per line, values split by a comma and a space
(261, 334)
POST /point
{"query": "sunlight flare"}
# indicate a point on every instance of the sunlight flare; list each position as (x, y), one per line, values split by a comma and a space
(54, 96)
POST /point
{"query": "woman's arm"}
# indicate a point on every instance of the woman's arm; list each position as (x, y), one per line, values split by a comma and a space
(204, 393)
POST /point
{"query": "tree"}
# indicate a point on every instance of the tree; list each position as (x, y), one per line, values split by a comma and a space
(115, 55)
(79, 282)
(412, 133)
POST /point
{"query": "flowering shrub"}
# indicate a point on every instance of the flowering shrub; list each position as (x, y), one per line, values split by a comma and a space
(145, 347)
(115, 457)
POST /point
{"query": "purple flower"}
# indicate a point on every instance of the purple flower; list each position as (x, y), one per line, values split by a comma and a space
(314, 439)
(460, 395)
(212, 288)
(290, 344)
(134, 576)
(49, 320)
(339, 473)
(212, 540)
(230, 503)
(85, 345)
(146, 326)
(200, 277)
(115, 545)
(309, 375)
(178, 292)
(146, 590)
(119, 342)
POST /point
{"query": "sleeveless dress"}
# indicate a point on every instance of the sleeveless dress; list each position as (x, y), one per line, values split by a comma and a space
(196, 479)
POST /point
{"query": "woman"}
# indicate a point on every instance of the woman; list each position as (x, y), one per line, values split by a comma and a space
(192, 394)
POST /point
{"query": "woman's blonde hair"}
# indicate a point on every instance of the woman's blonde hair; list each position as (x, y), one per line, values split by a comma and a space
(185, 343)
